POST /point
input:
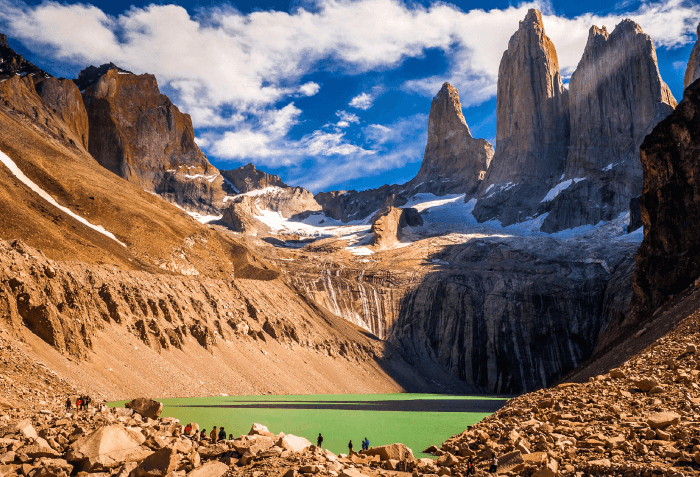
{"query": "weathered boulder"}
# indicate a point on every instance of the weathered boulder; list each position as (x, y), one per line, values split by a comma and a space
(158, 464)
(54, 468)
(532, 127)
(210, 469)
(213, 450)
(453, 162)
(145, 407)
(692, 70)
(139, 134)
(293, 443)
(351, 472)
(668, 261)
(259, 430)
(661, 420)
(616, 97)
(393, 451)
(106, 448)
(253, 444)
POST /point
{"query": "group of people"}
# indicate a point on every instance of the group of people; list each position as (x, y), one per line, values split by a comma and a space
(364, 443)
(213, 436)
(82, 403)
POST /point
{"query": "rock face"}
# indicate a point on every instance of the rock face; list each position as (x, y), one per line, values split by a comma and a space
(511, 315)
(532, 127)
(64, 98)
(388, 225)
(247, 178)
(453, 161)
(616, 97)
(692, 71)
(140, 135)
(668, 260)
(240, 214)
(92, 74)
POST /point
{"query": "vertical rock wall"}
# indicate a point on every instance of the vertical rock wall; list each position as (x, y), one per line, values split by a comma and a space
(692, 71)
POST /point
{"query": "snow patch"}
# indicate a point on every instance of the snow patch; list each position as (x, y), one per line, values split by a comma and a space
(266, 190)
(554, 191)
(362, 251)
(10, 164)
(608, 167)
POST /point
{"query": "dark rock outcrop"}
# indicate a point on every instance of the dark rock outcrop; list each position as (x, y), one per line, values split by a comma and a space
(140, 135)
(616, 97)
(247, 178)
(92, 74)
(692, 70)
(453, 161)
(12, 64)
(532, 127)
(348, 206)
(64, 98)
(240, 214)
(635, 215)
(668, 260)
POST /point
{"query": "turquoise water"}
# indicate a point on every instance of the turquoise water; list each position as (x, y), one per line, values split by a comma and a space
(417, 420)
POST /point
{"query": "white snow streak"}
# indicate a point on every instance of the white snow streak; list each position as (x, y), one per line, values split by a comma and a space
(10, 164)
(554, 192)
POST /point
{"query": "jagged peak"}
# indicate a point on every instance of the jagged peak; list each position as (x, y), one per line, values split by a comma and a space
(90, 75)
(3, 41)
(627, 25)
(532, 19)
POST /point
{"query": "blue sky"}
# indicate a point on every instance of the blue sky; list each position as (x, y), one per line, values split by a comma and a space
(329, 94)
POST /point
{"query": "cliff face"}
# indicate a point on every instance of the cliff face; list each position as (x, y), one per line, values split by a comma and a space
(532, 127)
(669, 257)
(64, 98)
(616, 97)
(511, 315)
(692, 71)
(453, 161)
(138, 134)
(12, 64)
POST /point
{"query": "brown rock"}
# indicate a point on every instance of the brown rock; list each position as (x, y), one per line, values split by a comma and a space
(293, 443)
(146, 407)
(447, 460)
(617, 373)
(646, 384)
(210, 469)
(661, 420)
(106, 448)
(158, 464)
(388, 225)
(64, 98)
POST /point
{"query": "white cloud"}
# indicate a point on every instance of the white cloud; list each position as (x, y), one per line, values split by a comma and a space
(310, 88)
(362, 101)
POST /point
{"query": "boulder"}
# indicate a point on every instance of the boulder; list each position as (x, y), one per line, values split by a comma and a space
(293, 443)
(393, 451)
(146, 407)
(617, 373)
(260, 430)
(351, 473)
(661, 420)
(54, 468)
(214, 450)
(158, 464)
(646, 384)
(447, 460)
(106, 448)
(210, 469)
(253, 444)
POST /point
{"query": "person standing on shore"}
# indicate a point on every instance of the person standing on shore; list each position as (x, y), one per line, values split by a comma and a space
(212, 435)
(319, 441)
(350, 451)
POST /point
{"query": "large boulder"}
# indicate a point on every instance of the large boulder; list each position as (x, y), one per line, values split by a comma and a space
(393, 452)
(253, 444)
(158, 464)
(293, 443)
(107, 447)
(210, 469)
(146, 407)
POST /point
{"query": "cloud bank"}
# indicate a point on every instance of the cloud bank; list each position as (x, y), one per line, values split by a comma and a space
(239, 74)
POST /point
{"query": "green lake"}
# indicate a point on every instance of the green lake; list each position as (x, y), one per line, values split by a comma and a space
(417, 420)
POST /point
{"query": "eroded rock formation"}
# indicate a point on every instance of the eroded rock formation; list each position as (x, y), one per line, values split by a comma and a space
(692, 71)
(616, 97)
(140, 135)
(532, 127)
(453, 161)
(64, 98)
(669, 257)
(388, 225)
(247, 178)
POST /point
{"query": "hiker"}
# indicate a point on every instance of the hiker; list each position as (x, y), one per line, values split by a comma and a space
(230, 437)
(494, 465)
(212, 435)
(350, 451)
(68, 404)
(319, 441)
(79, 403)
(366, 444)
(203, 435)
(470, 467)
(188, 430)
(222, 434)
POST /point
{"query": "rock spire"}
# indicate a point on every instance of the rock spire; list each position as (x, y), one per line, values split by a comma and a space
(532, 129)
(692, 71)
(616, 97)
(452, 154)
